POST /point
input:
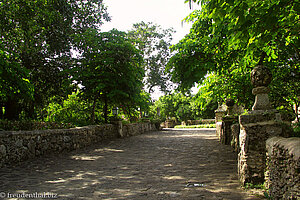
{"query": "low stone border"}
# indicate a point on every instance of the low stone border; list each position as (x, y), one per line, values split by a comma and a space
(283, 165)
(17, 146)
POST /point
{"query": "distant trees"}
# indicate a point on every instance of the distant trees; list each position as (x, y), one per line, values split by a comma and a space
(154, 42)
(184, 107)
(110, 69)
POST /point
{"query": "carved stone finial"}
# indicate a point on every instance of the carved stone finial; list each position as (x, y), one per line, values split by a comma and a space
(261, 77)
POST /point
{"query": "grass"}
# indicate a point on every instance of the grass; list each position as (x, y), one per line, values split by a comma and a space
(197, 126)
(260, 187)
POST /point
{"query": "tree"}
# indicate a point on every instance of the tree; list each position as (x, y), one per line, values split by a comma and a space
(263, 27)
(38, 38)
(154, 42)
(110, 69)
(229, 38)
(14, 84)
(175, 105)
(74, 110)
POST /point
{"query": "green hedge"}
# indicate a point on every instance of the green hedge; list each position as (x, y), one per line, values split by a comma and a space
(6, 125)
(197, 126)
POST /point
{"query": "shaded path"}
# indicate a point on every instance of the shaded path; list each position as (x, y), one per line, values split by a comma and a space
(156, 165)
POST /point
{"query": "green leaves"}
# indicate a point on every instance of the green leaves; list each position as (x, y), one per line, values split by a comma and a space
(37, 38)
(111, 67)
(154, 42)
(229, 38)
(13, 78)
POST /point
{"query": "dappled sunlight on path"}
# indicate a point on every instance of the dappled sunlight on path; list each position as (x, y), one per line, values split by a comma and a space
(157, 165)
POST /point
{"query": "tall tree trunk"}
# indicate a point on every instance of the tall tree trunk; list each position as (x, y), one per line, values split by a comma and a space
(11, 109)
(296, 110)
(31, 110)
(1, 111)
(105, 109)
(150, 89)
(93, 111)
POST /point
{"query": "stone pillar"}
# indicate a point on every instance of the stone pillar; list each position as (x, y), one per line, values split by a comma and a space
(235, 132)
(227, 121)
(255, 128)
(219, 113)
(119, 127)
(169, 123)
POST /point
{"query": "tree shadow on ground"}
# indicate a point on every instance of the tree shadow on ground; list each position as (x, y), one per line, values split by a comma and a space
(157, 165)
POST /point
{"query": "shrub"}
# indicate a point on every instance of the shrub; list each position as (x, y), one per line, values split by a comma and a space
(32, 125)
(197, 126)
(296, 127)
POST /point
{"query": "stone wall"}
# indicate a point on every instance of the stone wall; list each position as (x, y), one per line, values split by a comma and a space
(218, 129)
(255, 129)
(169, 123)
(235, 133)
(219, 113)
(137, 128)
(226, 133)
(16, 146)
(283, 165)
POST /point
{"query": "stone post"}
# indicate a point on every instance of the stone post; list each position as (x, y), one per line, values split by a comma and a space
(255, 128)
(119, 126)
(219, 113)
(169, 123)
(227, 121)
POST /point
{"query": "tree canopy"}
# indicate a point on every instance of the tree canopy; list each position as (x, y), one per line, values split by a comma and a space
(229, 38)
(36, 42)
(110, 69)
(154, 42)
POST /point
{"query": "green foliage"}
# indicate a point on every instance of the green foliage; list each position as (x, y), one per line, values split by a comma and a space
(6, 125)
(174, 105)
(256, 26)
(183, 107)
(253, 186)
(13, 78)
(229, 38)
(197, 126)
(296, 127)
(109, 70)
(74, 110)
(137, 108)
(154, 42)
(35, 50)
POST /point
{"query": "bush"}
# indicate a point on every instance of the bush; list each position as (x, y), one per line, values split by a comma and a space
(32, 125)
(74, 110)
(197, 126)
(296, 127)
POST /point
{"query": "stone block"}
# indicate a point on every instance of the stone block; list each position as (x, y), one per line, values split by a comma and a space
(170, 123)
(226, 134)
(235, 132)
(282, 171)
(218, 129)
(255, 129)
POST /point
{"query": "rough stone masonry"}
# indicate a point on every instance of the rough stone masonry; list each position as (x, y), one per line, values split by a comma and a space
(255, 128)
